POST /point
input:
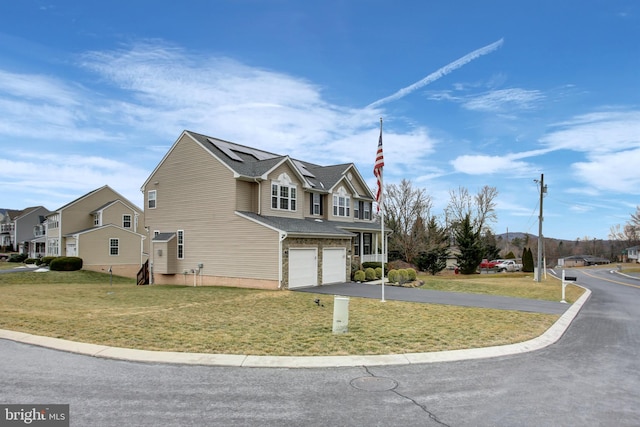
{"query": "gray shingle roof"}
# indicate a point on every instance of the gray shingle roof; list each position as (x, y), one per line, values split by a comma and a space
(253, 163)
(313, 227)
(163, 237)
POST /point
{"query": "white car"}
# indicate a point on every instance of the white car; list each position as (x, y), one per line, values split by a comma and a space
(509, 265)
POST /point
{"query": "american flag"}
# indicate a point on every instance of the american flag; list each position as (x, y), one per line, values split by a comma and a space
(377, 168)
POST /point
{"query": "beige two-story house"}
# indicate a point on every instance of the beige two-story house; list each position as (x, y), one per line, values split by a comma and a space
(221, 213)
(103, 228)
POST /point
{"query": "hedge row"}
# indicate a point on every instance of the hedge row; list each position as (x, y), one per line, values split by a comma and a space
(66, 263)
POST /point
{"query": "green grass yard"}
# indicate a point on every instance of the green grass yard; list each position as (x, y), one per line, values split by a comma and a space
(83, 306)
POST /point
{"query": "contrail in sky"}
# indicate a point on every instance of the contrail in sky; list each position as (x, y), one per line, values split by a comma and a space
(439, 73)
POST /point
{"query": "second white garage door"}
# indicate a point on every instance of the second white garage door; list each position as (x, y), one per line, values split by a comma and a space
(303, 267)
(334, 265)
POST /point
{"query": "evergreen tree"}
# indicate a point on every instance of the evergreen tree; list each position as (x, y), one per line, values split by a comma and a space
(469, 245)
(527, 260)
(434, 258)
(490, 248)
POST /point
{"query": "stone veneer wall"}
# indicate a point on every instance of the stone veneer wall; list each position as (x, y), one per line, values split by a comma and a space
(313, 243)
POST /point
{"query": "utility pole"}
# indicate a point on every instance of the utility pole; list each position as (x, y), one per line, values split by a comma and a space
(543, 189)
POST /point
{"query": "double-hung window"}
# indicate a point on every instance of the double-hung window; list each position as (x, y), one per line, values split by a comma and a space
(151, 199)
(316, 204)
(114, 247)
(341, 203)
(180, 244)
(284, 195)
(126, 221)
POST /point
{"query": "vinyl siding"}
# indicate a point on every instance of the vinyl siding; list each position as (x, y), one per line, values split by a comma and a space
(266, 194)
(77, 216)
(93, 247)
(114, 213)
(197, 194)
(247, 196)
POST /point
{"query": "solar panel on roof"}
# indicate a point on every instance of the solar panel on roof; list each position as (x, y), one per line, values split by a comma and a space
(303, 169)
(231, 149)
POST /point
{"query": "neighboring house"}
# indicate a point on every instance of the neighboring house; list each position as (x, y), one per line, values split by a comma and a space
(26, 227)
(581, 261)
(8, 229)
(632, 254)
(38, 245)
(239, 216)
(101, 227)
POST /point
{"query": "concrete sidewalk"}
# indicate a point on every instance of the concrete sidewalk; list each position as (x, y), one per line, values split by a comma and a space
(552, 335)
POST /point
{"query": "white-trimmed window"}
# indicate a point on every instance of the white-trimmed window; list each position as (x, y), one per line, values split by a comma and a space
(341, 203)
(52, 247)
(366, 237)
(316, 204)
(114, 247)
(53, 221)
(96, 219)
(284, 194)
(151, 199)
(126, 221)
(180, 244)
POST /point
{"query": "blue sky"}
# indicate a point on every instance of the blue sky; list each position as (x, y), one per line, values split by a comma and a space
(472, 94)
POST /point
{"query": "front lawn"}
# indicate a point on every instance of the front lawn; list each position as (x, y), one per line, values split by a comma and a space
(83, 306)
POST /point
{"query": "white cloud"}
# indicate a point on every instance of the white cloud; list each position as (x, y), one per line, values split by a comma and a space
(504, 100)
(599, 132)
(616, 172)
(68, 177)
(480, 164)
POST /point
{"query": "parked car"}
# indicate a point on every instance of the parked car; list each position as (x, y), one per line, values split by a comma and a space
(509, 265)
(488, 265)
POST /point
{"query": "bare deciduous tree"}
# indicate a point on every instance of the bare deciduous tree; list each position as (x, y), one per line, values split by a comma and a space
(480, 208)
(407, 210)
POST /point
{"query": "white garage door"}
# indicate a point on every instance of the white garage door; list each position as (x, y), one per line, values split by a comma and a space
(303, 267)
(334, 265)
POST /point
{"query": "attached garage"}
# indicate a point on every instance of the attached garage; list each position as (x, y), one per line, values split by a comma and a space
(303, 267)
(334, 265)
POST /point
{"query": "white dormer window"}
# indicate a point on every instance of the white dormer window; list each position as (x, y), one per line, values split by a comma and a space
(284, 194)
(96, 219)
(341, 203)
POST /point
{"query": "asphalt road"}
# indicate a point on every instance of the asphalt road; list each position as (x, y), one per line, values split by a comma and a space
(590, 377)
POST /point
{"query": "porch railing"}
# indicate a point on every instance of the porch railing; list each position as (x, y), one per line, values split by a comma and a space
(373, 258)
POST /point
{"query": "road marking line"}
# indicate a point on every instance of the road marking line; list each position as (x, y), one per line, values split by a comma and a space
(612, 281)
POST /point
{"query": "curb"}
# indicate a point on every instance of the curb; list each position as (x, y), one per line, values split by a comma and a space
(551, 336)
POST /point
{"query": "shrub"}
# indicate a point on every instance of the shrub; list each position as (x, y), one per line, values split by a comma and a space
(66, 263)
(404, 275)
(31, 261)
(378, 271)
(412, 274)
(369, 274)
(354, 268)
(17, 258)
(359, 276)
(374, 265)
(393, 276)
(46, 260)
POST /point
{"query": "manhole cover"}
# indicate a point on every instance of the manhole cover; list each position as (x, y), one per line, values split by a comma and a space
(374, 383)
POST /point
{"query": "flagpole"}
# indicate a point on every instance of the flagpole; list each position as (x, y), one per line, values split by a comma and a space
(382, 219)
